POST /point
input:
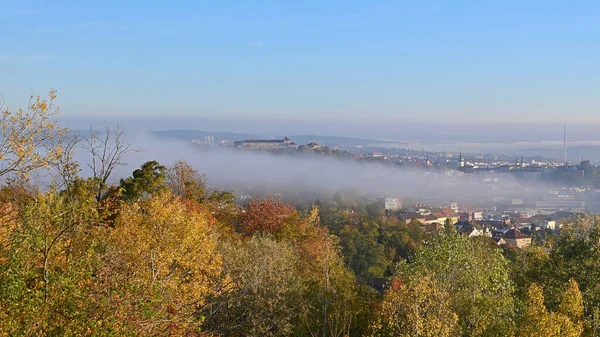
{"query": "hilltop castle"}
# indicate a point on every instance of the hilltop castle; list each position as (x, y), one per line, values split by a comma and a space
(270, 144)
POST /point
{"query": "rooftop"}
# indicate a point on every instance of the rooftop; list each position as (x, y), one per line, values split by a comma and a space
(515, 234)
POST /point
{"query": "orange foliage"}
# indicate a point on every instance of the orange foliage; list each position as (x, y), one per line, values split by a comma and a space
(267, 216)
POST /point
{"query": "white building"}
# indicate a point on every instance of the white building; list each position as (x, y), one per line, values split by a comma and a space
(391, 204)
(271, 144)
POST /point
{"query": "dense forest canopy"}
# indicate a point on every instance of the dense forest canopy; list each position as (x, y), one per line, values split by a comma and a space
(160, 254)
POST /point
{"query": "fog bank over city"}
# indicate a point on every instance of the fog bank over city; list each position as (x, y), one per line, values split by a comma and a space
(309, 176)
(543, 140)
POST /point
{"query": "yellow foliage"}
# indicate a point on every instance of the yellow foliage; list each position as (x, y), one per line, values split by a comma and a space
(163, 255)
(414, 308)
(538, 321)
(26, 135)
(571, 304)
(7, 226)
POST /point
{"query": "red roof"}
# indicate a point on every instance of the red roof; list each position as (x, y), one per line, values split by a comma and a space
(448, 212)
(515, 234)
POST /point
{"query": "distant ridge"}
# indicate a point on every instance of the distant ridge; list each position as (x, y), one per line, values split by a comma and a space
(188, 135)
(335, 140)
(199, 134)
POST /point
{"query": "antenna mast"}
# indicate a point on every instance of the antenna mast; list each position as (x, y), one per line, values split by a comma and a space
(565, 143)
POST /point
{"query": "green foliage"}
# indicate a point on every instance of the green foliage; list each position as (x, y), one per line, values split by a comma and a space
(144, 181)
(362, 252)
(475, 276)
(45, 277)
(528, 266)
(262, 290)
(223, 207)
(371, 246)
(573, 254)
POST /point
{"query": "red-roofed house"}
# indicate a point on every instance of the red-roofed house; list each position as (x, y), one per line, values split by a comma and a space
(516, 238)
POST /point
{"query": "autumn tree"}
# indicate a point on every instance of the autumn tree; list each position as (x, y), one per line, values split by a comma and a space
(44, 284)
(26, 136)
(160, 266)
(331, 305)
(527, 266)
(475, 276)
(537, 317)
(416, 307)
(571, 304)
(14, 195)
(538, 321)
(576, 254)
(264, 289)
(185, 181)
(223, 207)
(66, 274)
(266, 216)
(66, 167)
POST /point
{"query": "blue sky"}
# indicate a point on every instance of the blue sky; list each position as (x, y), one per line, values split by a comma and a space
(452, 61)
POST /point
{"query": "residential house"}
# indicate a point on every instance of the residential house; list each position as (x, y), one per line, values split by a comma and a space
(408, 217)
(516, 238)
(440, 217)
(450, 214)
(470, 231)
(500, 241)
(430, 218)
(432, 227)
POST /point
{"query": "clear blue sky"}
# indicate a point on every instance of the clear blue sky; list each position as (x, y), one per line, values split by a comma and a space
(455, 61)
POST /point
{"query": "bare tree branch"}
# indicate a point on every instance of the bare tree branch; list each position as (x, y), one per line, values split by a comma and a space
(108, 150)
(67, 168)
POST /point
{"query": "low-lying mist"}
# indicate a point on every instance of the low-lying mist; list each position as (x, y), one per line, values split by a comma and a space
(310, 176)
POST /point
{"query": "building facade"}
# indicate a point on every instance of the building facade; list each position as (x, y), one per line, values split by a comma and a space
(516, 238)
(263, 144)
(390, 204)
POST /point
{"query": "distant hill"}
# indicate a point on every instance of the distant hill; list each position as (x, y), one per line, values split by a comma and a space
(188, 135)
(334, 140)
